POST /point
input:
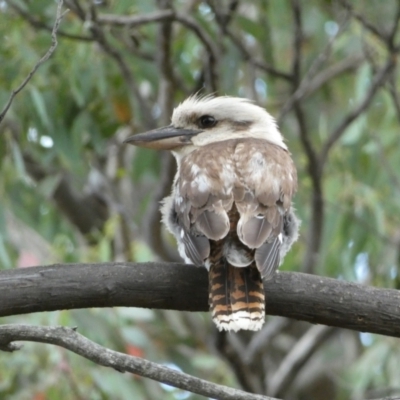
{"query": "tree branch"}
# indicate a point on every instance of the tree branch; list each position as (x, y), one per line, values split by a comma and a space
(87, 212)
(136, 20)
(247, 379)
(185, 288)
(37, 23)
(211, 49)
(69, 339)
(166, 91)
(101, 38)
(296, 358)
(247, 56)
(379, 79)
(262, 339)
(363, 21)
(50, 51)
(315, 231)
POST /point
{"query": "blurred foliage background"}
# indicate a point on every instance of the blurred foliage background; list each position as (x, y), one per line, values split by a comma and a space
(72, 192)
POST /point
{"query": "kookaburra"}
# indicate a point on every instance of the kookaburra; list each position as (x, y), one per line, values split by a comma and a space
(231, 203)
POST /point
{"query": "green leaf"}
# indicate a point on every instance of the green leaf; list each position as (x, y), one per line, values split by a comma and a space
(18, 160)
(40, 106)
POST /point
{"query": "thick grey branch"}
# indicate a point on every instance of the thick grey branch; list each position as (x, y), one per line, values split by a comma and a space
(182, 287)
(71, 340)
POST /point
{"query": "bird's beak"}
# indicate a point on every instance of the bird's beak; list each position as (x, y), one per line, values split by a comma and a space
(166, 138)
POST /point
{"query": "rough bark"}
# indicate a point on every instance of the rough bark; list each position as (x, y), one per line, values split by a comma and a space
(181, 287)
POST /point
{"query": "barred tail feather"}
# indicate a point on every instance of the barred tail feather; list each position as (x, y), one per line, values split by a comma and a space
(236, 297)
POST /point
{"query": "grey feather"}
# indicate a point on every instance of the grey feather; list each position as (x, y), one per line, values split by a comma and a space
(197, 248)
(291, 225)
(267, 258)
(214, 226)
(255, 232)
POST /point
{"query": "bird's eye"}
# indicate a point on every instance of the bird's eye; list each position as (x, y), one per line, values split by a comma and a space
(207, 121)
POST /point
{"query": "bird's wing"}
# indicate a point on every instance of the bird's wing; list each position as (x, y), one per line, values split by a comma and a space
(201, 203)
(270, 180)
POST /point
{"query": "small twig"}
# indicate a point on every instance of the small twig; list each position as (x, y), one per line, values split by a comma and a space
(69, 339)
(261, 340)
(132, 47)
(392, 34)
(314, 235)
(208, 42)
(135, 20)
(100, 37)
(50, 51)
(311, 82)
(76, 7)
(299, 354)
(166, 92)
(297, 41)
(223, 20)
(244, 375)
(362, 20)
(379, 79)
(328, 74)
(296, 72)
(165, 66)
(247, 56)
(37, 23)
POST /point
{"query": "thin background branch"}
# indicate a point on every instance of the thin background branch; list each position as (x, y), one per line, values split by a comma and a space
(152, 226)
(378, 80)
(136, 20)
(230, 351)
(315, 230)
(113, 52)
(300, 353)
(71, 340)
(48, 54)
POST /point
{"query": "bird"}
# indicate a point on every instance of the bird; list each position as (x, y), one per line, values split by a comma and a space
(230, 209)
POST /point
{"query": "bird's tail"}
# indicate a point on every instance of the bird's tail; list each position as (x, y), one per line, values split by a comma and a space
(236, 297)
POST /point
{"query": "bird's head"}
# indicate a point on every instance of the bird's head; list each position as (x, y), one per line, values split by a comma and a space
(199, 121)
